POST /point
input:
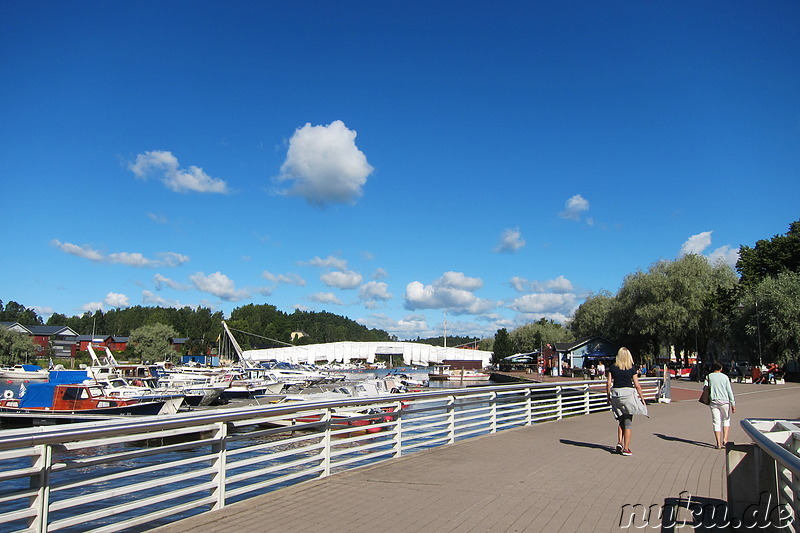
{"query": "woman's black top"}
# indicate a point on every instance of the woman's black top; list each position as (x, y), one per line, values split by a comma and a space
(621, 378)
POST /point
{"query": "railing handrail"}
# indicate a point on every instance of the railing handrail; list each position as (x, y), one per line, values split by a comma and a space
(10, 439)
(772, 448)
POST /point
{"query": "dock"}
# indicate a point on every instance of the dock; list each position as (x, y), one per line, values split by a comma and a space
(560, 476)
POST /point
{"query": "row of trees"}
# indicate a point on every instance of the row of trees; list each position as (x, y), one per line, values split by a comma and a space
(694, 306)
(201, 326)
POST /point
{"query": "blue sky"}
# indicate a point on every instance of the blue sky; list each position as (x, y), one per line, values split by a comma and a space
(392, 162)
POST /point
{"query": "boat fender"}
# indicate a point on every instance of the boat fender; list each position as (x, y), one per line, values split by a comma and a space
(8, 394)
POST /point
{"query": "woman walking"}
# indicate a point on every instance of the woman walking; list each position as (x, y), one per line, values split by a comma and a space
(722, 404)
(625, 396)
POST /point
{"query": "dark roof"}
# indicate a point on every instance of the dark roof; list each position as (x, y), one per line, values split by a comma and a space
(49, 331)
(13, 326)
(570, 346)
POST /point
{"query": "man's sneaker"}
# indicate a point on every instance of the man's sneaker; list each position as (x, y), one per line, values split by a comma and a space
(627, 452)
(618, 449)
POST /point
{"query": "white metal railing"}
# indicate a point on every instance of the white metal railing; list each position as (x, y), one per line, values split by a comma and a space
(780, 440)
(138, 473)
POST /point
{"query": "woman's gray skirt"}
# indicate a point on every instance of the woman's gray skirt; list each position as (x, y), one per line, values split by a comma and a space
(625, 401)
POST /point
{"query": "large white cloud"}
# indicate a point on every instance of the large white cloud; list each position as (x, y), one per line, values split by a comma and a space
(697, 244)
(452, 292)
(510, 241)
(116, 300)
(372, 292)
(166, 166)
(324, 166)
(219, 285)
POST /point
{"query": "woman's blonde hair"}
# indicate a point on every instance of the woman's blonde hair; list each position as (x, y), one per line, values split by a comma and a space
(624, 359)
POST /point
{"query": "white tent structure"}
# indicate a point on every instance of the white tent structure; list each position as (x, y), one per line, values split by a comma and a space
(412, 353)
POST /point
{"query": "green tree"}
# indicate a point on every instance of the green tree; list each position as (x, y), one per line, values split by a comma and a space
(768, 258)
(502, 346)
(531, 337)
(152, 342)
(595, 317)
(15, 347)
(15, 312)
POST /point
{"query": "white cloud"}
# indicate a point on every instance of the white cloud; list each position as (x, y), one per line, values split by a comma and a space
(458, 280)
(325, 298)
(162, 281)
(380, 273)
(574, 207)
(158, 219)
(559, 284)
(405, 328)
(284, 279)
(324, 166)
(452, 292)
(374, 290)
(219, 285)
(81, 251)
(92, 306)
(175, 178)
(150, 298)
(342, 280)
(541, 303)
(116, 300)
(328, 262)
(135, 259)
(696, 244)
(726, 254)
(510, 241)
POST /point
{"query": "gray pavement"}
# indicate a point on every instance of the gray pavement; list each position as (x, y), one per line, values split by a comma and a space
(556, 477)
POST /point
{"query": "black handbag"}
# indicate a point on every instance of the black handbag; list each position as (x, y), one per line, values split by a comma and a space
(705, 397)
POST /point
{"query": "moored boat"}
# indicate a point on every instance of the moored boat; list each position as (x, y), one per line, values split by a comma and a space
(445, 373)
(24, 372)
(80, 399)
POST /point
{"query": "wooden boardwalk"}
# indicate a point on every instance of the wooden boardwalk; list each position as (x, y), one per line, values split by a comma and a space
(559, 476)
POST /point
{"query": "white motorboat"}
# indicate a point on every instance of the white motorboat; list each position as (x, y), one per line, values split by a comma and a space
(445, 373)
(24, 372)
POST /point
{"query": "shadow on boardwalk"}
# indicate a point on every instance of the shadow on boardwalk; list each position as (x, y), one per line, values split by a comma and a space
(558, 476)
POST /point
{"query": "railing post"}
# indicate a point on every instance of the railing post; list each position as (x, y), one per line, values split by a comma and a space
(220, 465)
(451, 419)
(559, 403)
(586, 395)
(528, 407)
(326, 443)
(493, 414)
(397, 420)
(40, 503)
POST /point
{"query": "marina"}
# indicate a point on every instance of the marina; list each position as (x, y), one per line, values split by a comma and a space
(136, 474)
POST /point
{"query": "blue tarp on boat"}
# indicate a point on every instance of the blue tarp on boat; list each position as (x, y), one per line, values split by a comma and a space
(31, 368)
(68, 376)
(37, 395)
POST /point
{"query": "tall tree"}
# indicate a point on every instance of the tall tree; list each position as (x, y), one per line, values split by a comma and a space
(152, 342)
(770, 257)
(16, 347)
(502, 346)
